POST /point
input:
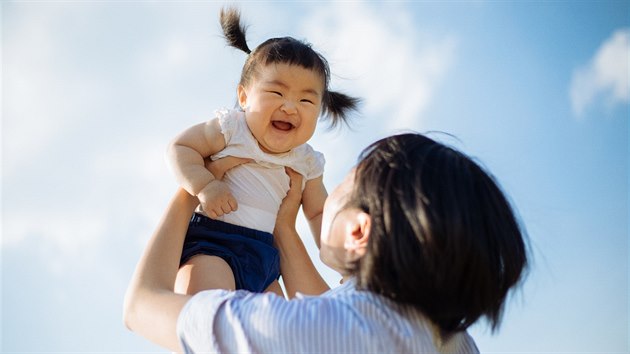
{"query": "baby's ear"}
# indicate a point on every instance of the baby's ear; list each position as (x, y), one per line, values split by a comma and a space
(242, 96)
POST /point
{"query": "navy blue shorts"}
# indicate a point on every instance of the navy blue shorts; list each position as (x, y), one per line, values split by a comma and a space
(250, 253)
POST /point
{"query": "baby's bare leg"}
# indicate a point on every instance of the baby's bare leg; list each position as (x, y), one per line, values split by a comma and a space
(203, 272)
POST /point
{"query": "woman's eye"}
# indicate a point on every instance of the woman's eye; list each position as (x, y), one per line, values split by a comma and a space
(276, 93)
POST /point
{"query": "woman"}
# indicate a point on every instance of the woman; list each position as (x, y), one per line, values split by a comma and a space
(425, 240)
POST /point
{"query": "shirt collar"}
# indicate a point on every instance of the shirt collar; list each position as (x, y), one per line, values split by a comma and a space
(348, 285)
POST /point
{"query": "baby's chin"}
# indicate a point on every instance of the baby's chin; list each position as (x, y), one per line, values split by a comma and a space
(274, 150)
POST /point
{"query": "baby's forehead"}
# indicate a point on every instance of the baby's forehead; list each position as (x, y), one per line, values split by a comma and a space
(290, 75)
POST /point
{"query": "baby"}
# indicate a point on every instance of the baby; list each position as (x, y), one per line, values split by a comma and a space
(282, 92)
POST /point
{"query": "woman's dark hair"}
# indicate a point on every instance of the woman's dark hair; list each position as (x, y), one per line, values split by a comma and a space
(286, 50)
(443, 237)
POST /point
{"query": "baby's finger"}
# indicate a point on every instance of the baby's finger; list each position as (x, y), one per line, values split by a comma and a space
(212, 214)
(233, 204)
(226, 208)
(214, 210)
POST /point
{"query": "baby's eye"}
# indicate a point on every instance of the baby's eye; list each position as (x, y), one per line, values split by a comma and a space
(308, 101)
(276, 93)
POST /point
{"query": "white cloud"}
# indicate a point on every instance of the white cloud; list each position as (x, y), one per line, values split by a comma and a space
(112, 197)
(82, 152)
(385, 59)
(29, 122)
(375, 52)
(605, 76)
(54, 236)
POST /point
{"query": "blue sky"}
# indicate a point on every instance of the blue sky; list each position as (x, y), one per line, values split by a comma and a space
(92, 92)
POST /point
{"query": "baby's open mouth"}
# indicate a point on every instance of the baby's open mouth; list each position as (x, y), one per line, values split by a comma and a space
(285, 126)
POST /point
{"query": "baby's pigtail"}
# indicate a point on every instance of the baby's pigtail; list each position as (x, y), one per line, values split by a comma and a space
(337, 106)
(233, 29)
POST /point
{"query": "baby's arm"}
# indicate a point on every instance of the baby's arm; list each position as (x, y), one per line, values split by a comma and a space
(185, 156)
(313, 198)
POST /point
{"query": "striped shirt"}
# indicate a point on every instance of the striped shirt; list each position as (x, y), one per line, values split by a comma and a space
(343, 320)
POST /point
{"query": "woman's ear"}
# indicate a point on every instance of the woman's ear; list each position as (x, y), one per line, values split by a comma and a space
(242, 96)
(357, 235)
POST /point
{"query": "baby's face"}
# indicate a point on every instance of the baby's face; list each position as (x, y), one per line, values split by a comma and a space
(282, 105)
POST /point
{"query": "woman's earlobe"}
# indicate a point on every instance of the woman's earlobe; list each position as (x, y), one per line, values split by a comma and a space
(366, 225)
(358, 234)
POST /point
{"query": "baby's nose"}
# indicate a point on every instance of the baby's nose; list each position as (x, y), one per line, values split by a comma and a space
(289, 107)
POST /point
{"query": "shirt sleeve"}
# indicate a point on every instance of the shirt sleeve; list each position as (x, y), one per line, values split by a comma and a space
(316, 166)
(219, 321)
(233, 322)
(195, 322)
(308, 162)
(227, 122)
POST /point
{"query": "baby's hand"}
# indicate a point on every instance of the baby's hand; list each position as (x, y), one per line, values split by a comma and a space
(216, 199)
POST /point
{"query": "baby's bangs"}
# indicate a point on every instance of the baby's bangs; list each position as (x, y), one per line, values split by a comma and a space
(287, 50)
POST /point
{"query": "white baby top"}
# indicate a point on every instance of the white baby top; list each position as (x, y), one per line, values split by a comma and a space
(260, 187)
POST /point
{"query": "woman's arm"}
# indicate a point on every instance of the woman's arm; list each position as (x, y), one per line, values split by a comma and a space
(151, 306)
(296, 267)
(313, 198)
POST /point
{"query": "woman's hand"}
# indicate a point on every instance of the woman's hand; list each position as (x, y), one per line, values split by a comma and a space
(297, 269)
(291, 203)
